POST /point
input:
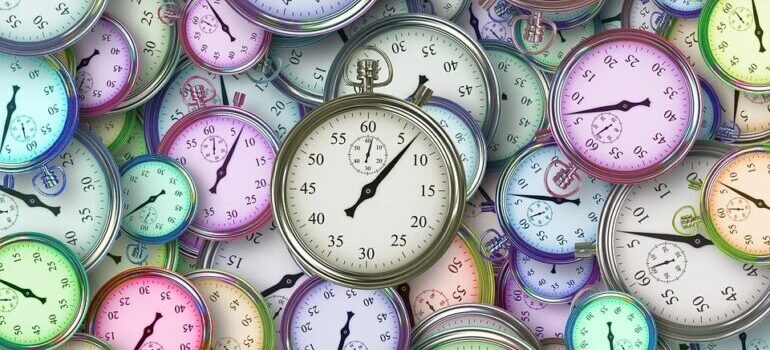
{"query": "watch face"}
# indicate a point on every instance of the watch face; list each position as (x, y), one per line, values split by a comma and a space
(553, 282)
(645, 15)
(493, 24)
(613, 318)
(544, 320)
(30, 23)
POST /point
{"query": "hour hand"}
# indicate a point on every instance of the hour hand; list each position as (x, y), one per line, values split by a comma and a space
(622, 106)
(696, 241)
(557, 200)
(287, 281)
(30, 200)
(27, 293)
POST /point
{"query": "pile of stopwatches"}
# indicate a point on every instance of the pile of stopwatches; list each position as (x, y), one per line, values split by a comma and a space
(385, 174)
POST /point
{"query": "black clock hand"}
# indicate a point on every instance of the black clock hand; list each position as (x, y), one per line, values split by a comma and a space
(403, 291)
(603, 130)
(610, 336)
(115, 258)
(538, 214)
(345, 331)
(742, 337)
(150, 200)
(696, 241)
(758, 31)
(85, 61)
(286, 281)
(613, 18)
(9, 109)
(758, 202)
(370, 189)
(3, 212)
(622, 106)
(343, 35)
(275, 315)
(561, 36)
(222, 171)
(557, 200)
(148, 331)
(430, 306)
(369, 151)
(225, 27)
(663, 263)
(553, 269)
(24, 291)
(30, 200)
(475, 25)
(225, 98)
(736, 98)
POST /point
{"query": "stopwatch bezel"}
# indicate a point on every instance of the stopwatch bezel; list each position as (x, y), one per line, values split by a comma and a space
(82, 280)
(268, 326)
(148, 271)
(678, 13)
(474, 334)
(556, 121)
(310, 284)
(67, 58)
(553, 341)
(597, 23)
(592, 278)
(90, 339)
(611, 275)
(58, 42)
(308, 260)
(711, 95)
(581, 10)
(301, 28)
(185, 223)
(245, 117)
(710, 59)
(431, 23)
(630, 301)
(625, 18)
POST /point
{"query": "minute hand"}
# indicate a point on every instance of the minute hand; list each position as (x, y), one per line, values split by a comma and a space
(758, 31)
(696, 241)
(622, 106)
(758, 202)
(31, 200)
(222, 171)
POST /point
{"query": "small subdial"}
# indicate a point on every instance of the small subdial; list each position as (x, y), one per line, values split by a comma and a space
(741, 19)
(9, 299)
(738, 209)
(428, 302)
(85, 83)
(151, 346)
(9, 4)
(533, 303)
(539, 213)
(368, 154)
(9, 212)
(758, 344)
(495, 30)
(214, 148)
(666, 262)
(606, 128)
(208, 24)
(277, 303)
(624, 344)
(227, 343)
(355, 345)
(23, 128)
(148, 215)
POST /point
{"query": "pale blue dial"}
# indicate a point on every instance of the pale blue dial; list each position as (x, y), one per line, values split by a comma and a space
(553, 283)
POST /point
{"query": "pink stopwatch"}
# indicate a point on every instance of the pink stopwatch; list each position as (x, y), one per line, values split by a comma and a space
(107, 66)
(148, 308)
(624, 107)
(230, 153)
(219, 39)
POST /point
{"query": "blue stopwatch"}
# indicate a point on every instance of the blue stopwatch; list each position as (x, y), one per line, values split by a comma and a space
(539, 223)
(681, 8)
(553, 283)
(712, 111)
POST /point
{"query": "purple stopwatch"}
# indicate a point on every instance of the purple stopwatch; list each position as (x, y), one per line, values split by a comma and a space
(625, 107)
(218, 39)
(107, 66)
(553, 283)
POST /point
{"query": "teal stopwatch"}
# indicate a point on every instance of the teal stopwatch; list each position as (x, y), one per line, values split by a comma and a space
(159, 198)
(564, 41)
(610, 320)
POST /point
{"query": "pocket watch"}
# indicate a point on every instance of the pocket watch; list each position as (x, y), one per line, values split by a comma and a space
(83, 341)
(652, 243)
(135, 144)
(644, 15)
(34, 28)
(85, 216)
(301, 18)
(553, 283)
(566, 39)
(426, 51)
(613, 318)
(113, 130)
(472, 338)
(681, 8)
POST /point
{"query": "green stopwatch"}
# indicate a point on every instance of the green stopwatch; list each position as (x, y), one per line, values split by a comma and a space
(159, 198)
(734, 43)
(127, 253)
(44, 289)
(472, 338)
(135, 145)
(83, 341)
(565, 40)
(112, 130)
(613, 319)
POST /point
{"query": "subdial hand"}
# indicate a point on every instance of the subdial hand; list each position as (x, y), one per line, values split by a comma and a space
(663, 263)
(31, 200)
(27, 293)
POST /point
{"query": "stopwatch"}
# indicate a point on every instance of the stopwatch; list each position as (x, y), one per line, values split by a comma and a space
(480, 216)
(148, 308)
(490, 24)
(127, 253)
(41, 111)
(446, 9)
(733, 43)
(323, 315)
(553, 344)
(306, 63)
(755, 338)
(733, 204)
(660, 113)
(462, 130)
(113, 130)
(83, 341)
(32, 28)
(566, 40)
(301, 18)
(190, 243)
(472, 339)
(44, 292)
(192, 88)
(422, 172)
(460, 276)
(208, 143)
(240, 313)
(712, 111)
(186, 264)
(544, 320)
(260, 258)
(155, 36)
(612, 318)
(644, 15)
(653, 246)
(539, 223)
(135, 143)
(523, 98)
(218, 39)
(681, 8)
(553, 283)
(85, 216)
(611, 14)
(107, 66)
(159, 199)
(424, 50)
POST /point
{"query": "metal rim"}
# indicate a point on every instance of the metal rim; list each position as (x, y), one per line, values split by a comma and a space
(182, 226)
(449, 29)
(125, 132)
(67, 57)
(711, 94)
(592, 277)
(230, 112)
(255, 297)
(626, 13)
(306, 287)
(89, 339)
(484, 270)
(678, 13)
(478, 335)
(77, 268)
(319, 266)
(552, 341)
(580, 11)
(318, 26)
(557, 123)
(596, 21)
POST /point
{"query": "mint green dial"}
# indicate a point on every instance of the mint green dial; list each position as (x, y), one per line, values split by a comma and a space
(44, 292)
(610, 320)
